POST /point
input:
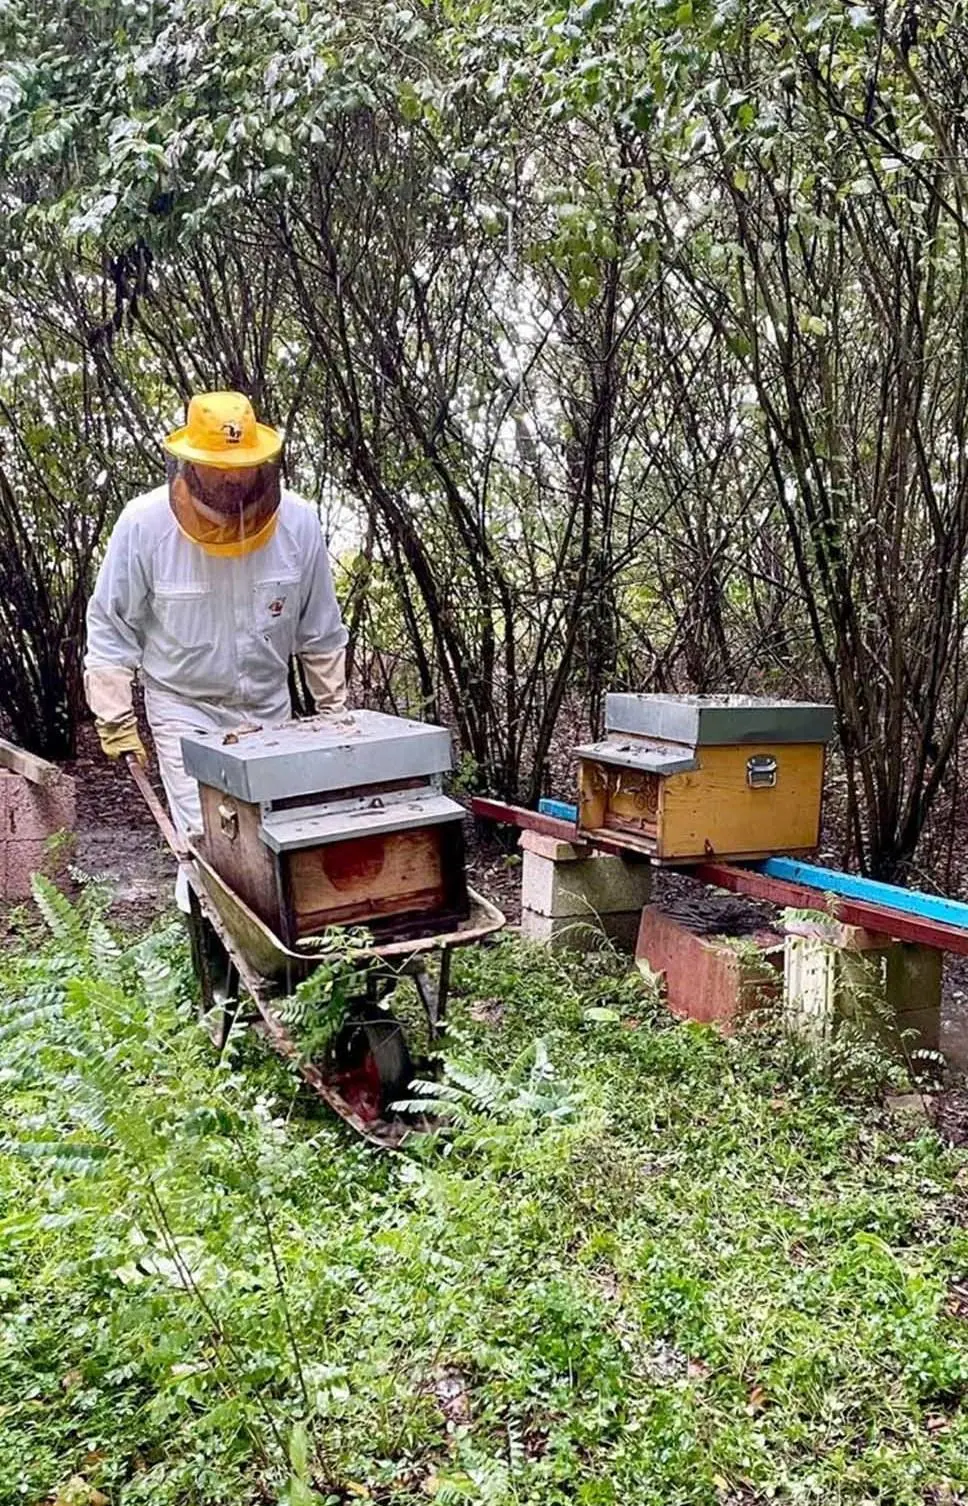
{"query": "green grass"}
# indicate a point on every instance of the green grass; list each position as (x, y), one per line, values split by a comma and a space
(678, 1270)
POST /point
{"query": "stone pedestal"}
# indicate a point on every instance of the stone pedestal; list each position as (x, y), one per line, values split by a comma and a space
(885, 988)
(713, 979)
(30, 815)
(572, 898)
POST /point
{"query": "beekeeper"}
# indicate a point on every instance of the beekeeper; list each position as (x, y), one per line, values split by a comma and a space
(209, 586)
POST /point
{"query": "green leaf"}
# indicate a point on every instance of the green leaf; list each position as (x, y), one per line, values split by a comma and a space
(411, 105)
(599, 1014)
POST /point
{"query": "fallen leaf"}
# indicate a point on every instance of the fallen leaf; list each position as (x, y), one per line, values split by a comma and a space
(906, 1103)
(77, 1492)
(71, 1379)
(697, 1370)
(937, 1424)
(757, 1399)
(358, 1490)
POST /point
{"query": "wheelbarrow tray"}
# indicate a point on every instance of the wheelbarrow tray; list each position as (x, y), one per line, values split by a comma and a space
(266, 953)
(267, 969)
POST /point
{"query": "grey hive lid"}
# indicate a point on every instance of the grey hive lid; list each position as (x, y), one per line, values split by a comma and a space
(316, 756)
(636, 753)
(711, 720)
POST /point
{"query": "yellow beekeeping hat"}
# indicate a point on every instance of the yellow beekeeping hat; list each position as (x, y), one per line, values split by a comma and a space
(222, 432)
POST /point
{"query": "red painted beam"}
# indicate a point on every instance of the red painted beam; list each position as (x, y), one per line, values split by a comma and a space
(920, 930)
(548, 826)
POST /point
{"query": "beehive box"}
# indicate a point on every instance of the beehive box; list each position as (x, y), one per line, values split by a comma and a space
(334, 821)
(692, 778)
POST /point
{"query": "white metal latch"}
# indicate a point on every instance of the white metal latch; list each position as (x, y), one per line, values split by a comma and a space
(761, 771)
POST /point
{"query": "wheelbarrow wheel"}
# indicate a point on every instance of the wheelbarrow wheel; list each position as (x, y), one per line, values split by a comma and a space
(370, 1062)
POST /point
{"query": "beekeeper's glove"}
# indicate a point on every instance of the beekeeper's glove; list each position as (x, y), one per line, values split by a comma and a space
(326, 681)
(108, 691)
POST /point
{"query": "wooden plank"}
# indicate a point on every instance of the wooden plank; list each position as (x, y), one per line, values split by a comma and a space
(560, 809)
(36, 770)
(950, 912)
(713, 810)
(919, 930)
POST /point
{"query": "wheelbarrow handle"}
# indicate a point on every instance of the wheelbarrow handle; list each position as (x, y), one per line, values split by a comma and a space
(162, 820)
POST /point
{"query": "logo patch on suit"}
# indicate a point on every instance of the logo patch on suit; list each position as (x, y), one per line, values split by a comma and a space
(276, 607)
(232, 432)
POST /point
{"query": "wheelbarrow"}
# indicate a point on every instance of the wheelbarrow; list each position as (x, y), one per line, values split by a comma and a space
(368, 1064)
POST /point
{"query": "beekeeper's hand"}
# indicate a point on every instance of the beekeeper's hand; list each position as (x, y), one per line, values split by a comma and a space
(326, 681)
(118, 738)
(108, 691)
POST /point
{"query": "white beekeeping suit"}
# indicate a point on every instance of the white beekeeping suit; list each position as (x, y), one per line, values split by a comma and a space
(209, 586)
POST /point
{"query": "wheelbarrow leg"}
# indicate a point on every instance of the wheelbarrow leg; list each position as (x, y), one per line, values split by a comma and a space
(218, 979)
(433, 994)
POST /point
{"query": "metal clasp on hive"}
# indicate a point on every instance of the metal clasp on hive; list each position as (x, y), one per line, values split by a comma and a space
(761, 771)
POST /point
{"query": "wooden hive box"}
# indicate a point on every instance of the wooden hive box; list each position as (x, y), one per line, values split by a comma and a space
(691, 778)
(334, 821)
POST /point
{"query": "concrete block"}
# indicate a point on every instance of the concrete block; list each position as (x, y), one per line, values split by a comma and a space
(920, 1030)
(709, 978)
(881, 991)
(837, 933)
(581, 933)
(600, 885)
(914, 977)
(19, 861)
(29, 817)
(552, 848)
(31, 813)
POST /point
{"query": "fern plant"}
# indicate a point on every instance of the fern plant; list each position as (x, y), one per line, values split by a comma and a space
(317, 1007)
(98, 1042)
(531, 1093)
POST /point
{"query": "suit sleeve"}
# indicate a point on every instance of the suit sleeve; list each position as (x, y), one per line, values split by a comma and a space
(118, 607)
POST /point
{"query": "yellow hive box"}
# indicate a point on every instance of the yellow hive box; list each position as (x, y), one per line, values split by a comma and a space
(695, 778)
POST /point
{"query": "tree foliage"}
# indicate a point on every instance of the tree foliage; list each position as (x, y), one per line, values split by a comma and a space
(633, 331)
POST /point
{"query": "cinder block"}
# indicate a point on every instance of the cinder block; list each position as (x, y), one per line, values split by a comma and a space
(914, 977)
(600, 885)
(29, 817)
(31, 813)
(709, 978)
(837, 933)
(578, 933)
(552, 848)
(19, 861)
(883, 991)
(920, 1029)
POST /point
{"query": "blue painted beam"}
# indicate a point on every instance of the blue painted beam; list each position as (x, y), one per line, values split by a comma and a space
(950, 912)
(560, 809)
